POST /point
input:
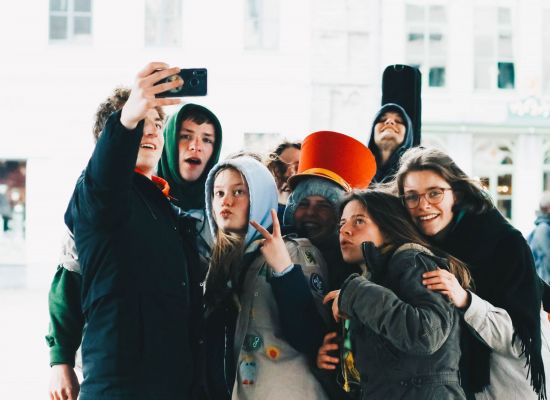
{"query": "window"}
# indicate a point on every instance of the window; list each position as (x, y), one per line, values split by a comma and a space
(493, 49)
(163, 23)
(494, 166)
(70, 20)
(427, 41)
(261, 24)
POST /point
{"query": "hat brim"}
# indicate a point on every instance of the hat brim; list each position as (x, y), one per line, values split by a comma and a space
(295, 179)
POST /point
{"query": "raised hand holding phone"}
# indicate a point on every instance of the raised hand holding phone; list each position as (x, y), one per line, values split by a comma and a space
(142, 97)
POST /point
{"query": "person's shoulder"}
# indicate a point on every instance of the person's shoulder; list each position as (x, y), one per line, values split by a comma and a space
(413, 254)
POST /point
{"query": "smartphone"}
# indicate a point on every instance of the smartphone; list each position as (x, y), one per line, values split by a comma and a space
(194, 83)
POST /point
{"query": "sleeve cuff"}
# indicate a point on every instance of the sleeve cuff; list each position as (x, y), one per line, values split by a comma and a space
(476, 314)
(283, 272)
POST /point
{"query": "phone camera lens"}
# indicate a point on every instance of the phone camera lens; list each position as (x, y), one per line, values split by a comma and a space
(194, 82)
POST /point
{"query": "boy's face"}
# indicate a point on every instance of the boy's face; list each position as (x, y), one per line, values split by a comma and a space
(152, 142)
(195, 147)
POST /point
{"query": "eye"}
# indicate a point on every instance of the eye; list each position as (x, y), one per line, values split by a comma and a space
(219, 193)
(159, 126)
(208, 140)
(238, 192)
(185, 136)
(411, 197)
(303, 204)
(359, 221)
(433, 194)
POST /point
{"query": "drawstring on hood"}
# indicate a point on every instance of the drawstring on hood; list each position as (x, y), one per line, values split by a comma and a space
(187, 195)
(387, 171)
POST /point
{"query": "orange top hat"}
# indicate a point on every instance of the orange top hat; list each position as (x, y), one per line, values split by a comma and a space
(336, 157)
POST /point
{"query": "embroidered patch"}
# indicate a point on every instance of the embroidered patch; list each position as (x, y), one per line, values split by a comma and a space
(317, 283)
(273, 353)
(247, 371)
(309, 257)
(252, 343)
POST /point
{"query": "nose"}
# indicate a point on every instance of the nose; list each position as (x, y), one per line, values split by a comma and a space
(227, 200)
(290, 170)
(195, 144)
(423, 202)
(389, 121)
(344, 230)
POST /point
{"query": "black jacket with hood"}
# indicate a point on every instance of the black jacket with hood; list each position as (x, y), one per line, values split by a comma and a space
(135, 280)
(384, 172)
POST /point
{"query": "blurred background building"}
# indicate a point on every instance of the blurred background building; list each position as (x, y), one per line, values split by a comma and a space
(277, 69)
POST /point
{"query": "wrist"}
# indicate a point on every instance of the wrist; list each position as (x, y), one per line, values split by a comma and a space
(128, 123)
(465, 301)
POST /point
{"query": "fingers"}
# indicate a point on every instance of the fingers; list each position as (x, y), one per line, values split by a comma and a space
(163, 87)
(264, 232)
(327, 362)
(276, 224)
(438, 287)
(329, 336)
(150, 68)
(433, 281)
(156, 76)
(330, 296)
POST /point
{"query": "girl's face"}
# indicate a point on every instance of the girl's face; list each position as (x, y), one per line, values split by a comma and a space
(435, 209)
(231, 201)
(356, 227)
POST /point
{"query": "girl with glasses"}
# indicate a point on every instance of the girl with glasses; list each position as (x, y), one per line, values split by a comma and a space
(404, 338)
(502, 353)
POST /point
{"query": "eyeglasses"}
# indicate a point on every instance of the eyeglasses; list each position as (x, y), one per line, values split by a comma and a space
(432, 196)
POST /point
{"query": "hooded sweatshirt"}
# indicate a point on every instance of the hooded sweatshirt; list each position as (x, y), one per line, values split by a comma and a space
(386, 171)
(260, 360)
(187, 195)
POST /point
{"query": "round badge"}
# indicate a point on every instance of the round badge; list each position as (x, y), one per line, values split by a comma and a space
(317, 283)
(252, 343)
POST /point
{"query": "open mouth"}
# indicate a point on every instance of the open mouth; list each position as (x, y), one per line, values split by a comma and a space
(149, 146)
(193, 161)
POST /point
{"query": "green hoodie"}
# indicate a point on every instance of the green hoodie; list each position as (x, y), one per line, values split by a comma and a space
(188, 195)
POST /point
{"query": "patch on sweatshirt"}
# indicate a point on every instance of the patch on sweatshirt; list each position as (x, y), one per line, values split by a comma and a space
(252, 343)
(317, 283)
(247, 371)
(273, 353)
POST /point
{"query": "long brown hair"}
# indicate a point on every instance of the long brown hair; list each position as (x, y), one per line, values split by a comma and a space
(470, 195)
(227, 254)
(395, 223)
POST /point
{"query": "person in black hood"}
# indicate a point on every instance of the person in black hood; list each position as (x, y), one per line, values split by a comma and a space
(136, 296)
(391, 136)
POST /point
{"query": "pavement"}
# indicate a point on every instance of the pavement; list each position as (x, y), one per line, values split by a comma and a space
(24, 366)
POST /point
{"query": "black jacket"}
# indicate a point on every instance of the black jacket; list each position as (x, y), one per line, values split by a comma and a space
(405, 337)
(135, 282)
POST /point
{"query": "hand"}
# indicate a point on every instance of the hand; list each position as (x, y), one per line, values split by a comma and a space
(446, 283)
(142, 97)
(63, 383)
(273, 247)
(334, 295)
(324, 361)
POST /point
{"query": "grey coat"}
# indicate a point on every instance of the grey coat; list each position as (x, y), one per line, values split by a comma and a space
(405, 338)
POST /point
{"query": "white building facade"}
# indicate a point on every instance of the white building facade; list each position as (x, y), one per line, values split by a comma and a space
(278, 69)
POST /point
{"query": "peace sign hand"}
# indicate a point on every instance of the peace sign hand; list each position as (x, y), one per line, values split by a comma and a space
(273, 248)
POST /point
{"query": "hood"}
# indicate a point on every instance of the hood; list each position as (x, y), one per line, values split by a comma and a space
(542, 218)
(312, 186)
(188, 195)
(262, 189)
(384, 172)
